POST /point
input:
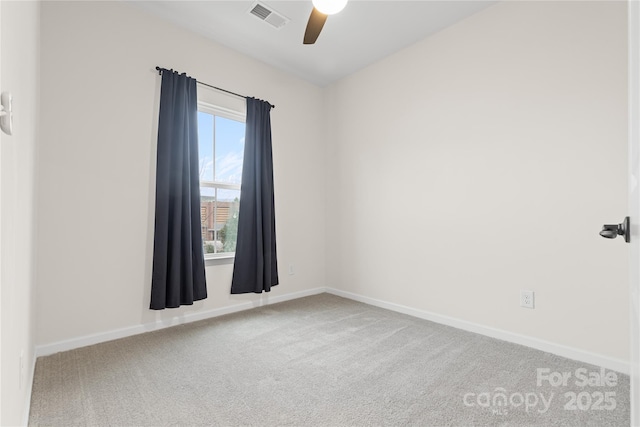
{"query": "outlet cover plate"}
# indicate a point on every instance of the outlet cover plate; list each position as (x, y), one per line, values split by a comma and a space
(527, 299)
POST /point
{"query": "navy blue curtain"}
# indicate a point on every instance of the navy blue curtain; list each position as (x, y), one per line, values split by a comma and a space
(178, 257)
(255, 268)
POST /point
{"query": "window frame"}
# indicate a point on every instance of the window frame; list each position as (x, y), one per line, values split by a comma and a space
(216, 110)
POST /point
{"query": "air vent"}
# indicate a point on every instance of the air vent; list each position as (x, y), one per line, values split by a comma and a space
(267, 14)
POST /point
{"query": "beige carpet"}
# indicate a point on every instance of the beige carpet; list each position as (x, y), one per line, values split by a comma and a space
(318, 361)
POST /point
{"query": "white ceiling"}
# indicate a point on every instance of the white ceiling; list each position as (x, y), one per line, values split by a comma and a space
(364, 32)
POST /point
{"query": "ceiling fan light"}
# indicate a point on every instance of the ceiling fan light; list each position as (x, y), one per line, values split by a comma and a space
(329, 7)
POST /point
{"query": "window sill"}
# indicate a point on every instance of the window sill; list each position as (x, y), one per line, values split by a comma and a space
(219, 259)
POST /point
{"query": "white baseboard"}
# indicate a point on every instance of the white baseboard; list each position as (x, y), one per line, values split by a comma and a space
(547, 346)
(265, 299)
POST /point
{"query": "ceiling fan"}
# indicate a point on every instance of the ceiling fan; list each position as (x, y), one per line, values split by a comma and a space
(321, 9)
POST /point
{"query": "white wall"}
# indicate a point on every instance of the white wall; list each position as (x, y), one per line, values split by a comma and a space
(97, 170)
(484, 160)
(478, 162)
(20, 56)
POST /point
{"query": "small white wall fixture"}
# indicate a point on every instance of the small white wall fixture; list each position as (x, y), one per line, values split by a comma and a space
(6, 112)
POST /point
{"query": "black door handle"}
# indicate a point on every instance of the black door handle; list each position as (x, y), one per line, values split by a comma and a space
(611, 231)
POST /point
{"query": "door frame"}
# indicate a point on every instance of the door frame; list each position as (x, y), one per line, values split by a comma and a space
(634, 204)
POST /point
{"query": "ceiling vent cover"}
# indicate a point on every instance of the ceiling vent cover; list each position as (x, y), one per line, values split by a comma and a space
(267, 14)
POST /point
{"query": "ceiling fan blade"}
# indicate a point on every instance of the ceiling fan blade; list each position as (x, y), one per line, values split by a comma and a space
(314, 26)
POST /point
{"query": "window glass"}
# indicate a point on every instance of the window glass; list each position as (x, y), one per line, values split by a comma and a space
(229, 150)
(220, 138)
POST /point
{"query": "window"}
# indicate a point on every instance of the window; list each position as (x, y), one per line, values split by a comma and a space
(221, 151)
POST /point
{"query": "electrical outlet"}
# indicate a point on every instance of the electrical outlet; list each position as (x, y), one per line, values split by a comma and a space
(527, 299)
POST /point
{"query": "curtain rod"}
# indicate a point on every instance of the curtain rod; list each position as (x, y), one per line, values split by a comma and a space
(160, 70)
